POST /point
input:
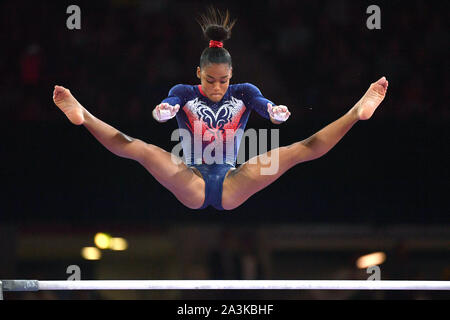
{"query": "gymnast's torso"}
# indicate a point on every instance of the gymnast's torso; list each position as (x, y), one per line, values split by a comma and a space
(218, 127)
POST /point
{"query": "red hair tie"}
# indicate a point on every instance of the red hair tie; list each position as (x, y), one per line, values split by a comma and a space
(215, 44)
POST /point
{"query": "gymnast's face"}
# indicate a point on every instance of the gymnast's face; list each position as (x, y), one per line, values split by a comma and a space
(215, 79)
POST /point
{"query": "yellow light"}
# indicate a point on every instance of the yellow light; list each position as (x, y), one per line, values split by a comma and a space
(91, 253)
(118, 244)
(369, 260)
(102, 240)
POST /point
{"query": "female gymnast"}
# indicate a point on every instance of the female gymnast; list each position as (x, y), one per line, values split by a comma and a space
(217, 106)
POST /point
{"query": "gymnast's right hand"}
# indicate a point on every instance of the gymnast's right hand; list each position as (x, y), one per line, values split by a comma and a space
(165, 111)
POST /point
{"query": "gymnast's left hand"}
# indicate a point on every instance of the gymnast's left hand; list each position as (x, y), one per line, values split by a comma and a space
(278, 113)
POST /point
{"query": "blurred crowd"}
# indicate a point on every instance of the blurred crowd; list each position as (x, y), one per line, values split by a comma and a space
(123, 57)
(128, 54)
(326, 47)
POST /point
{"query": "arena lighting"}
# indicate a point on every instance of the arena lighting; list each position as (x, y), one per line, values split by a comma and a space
(118, 244)
(91, 253)
(102, 240)
(369, 260)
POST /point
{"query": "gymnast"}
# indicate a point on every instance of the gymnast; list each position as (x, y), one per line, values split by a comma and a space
(218, 107)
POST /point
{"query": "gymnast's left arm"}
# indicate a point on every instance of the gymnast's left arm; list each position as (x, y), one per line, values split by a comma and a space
(264, 107)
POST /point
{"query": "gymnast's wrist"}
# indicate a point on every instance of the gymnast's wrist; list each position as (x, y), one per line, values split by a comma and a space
(353, 113)
(274, 121)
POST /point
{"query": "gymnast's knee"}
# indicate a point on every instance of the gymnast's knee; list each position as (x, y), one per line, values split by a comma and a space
(144, 151)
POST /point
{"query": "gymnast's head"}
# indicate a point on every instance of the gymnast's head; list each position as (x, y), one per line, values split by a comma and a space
(215, 70)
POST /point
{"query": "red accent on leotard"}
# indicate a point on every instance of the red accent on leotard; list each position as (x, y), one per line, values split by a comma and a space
(200, 89)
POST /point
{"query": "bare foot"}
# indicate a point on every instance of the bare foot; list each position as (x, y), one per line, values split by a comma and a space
(371, 100)
(68, 104)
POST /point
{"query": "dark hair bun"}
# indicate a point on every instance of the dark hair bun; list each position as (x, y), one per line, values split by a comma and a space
(216, 25)
(217, 33)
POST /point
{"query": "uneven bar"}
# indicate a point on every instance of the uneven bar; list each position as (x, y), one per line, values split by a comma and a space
(37, 285)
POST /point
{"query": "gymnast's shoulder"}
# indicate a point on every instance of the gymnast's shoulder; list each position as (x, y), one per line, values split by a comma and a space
(246, 89)
(182, 89)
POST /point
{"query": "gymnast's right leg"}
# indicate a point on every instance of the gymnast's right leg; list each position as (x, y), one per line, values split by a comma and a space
(181, 180)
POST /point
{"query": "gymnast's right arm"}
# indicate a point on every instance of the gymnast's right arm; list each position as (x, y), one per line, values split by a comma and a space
(169, 107)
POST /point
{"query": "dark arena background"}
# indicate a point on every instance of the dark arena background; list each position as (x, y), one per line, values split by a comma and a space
(383, 190)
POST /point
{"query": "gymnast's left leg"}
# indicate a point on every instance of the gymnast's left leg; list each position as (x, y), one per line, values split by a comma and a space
(245, 181)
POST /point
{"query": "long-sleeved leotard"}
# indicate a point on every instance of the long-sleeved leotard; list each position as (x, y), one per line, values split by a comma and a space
(225, 119)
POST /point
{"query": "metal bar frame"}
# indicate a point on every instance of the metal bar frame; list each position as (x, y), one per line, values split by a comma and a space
(37, 285)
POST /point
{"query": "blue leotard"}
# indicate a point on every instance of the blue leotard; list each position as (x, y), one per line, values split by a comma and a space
(217, 123)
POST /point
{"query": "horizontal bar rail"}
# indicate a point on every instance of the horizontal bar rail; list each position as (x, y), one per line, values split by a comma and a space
(38, 285)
